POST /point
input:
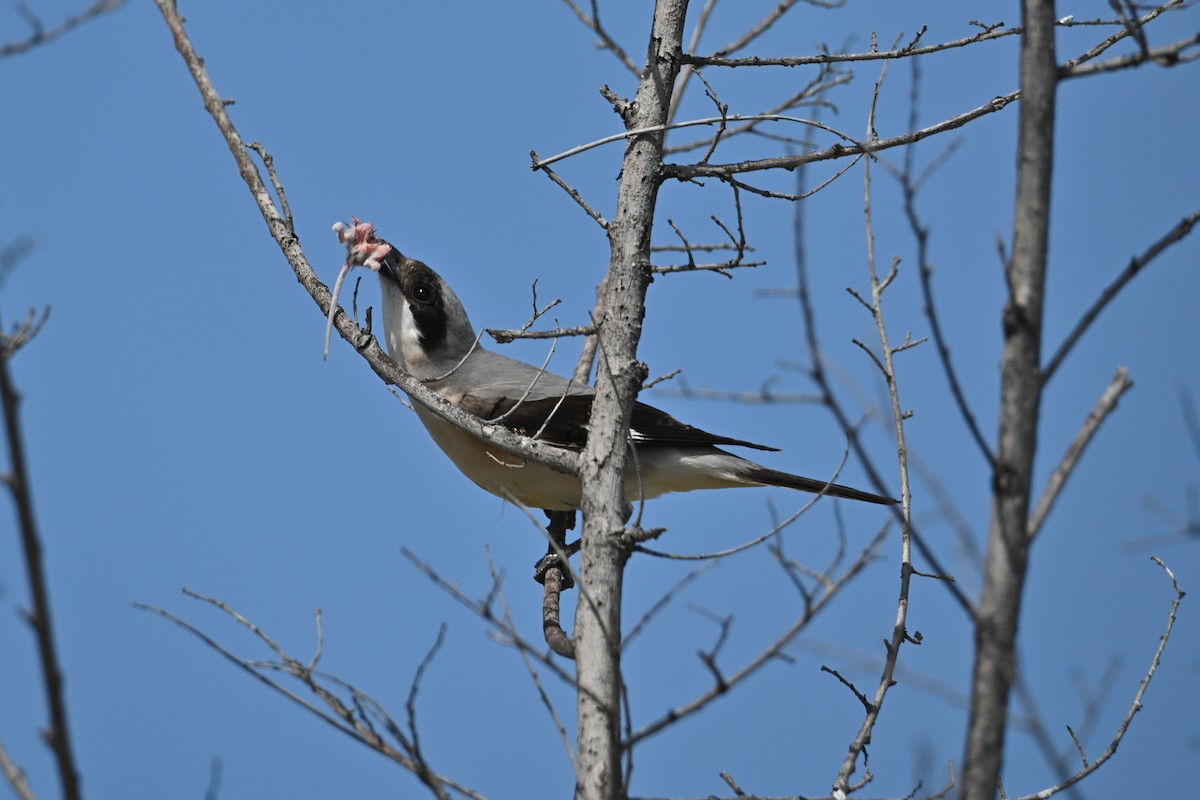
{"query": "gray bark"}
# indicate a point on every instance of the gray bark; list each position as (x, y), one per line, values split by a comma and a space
(1009, 537)
(619, 376)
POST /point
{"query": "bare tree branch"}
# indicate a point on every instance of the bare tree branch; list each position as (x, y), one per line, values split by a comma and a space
(285, 237)
(691, 123)
(1168, 55)
(817, 372)
(570, 190)
(504, 336)
(685, 172)
(726, 171)
(13, 253)
(15, 776)
(771, 652)
(1020, 403)
(618, 379)
(603, 700)
(1089, 767)
(543, 695)
(1058, 479)
(768, 21)
(810, 94)
(356, 714)
(593, 24)
(1128, 27)
(42, 36)
(900, 633)
(501, 631)
(1176, 234)
(910, 184)
(685, 72)
(764, 396)
(636, 629)
(908, 51)
(58, 733)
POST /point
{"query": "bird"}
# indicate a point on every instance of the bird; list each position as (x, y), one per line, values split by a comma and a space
(428, 334)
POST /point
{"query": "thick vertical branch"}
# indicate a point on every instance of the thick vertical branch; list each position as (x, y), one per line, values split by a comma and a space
(602, 465)
(1008, 540)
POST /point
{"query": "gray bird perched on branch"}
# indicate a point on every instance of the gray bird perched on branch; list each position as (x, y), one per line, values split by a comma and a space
(429, 335)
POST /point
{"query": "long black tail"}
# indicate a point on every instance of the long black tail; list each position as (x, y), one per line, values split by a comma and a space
(771, 477)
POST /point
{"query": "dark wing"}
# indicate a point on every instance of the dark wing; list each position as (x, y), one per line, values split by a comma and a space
(563, 421)
(557, 420)
(651, 427)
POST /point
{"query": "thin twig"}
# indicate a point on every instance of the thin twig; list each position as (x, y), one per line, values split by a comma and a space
(1176, 234)
(721, 268)
(483, 609)
(910, 184)
(1167, 55)
(757, 540)
(771, 652)
(686, 172)
(269, 162)
(843, 58)
(606, 41)
(636, 132)
(58, 733)
(764, 396)
(556, 458)
(42, 36)
(862, 698)
(899, 635)
(1127, 29)
(768, 21)
(13, 253)
(15, 776)
(636, 629)
(504, 336)
(410, 705)
(1138, 697)
(570, 190)
(533, 674)
(814, 89)
(23, 332)
(357, 716)
(1120, 384)
(818, 374)
(685, 72)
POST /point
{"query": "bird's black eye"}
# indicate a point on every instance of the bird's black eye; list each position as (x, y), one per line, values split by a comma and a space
(422, 293)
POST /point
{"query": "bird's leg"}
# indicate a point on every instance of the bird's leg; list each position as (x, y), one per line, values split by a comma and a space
(559, 550)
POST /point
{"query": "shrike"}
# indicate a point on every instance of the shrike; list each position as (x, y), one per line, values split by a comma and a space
(429, 336)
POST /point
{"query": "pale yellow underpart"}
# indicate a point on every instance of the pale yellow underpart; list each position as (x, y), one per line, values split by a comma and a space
(533, 485)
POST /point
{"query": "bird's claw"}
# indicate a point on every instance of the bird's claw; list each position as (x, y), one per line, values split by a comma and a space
(552, 560)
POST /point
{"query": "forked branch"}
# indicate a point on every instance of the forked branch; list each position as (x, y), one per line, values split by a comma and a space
(338, 703)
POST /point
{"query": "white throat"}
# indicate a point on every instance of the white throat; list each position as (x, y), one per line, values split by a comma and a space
(408, 342)
(400, 330)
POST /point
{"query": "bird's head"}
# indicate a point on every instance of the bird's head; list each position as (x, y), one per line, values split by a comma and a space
(426, 328)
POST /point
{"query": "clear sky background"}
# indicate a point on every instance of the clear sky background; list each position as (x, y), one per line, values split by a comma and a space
(184, 431)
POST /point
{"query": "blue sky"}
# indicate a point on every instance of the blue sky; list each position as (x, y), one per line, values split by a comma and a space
(184, 430)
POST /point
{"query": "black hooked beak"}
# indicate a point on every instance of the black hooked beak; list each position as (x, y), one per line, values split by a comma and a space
(389, 266)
